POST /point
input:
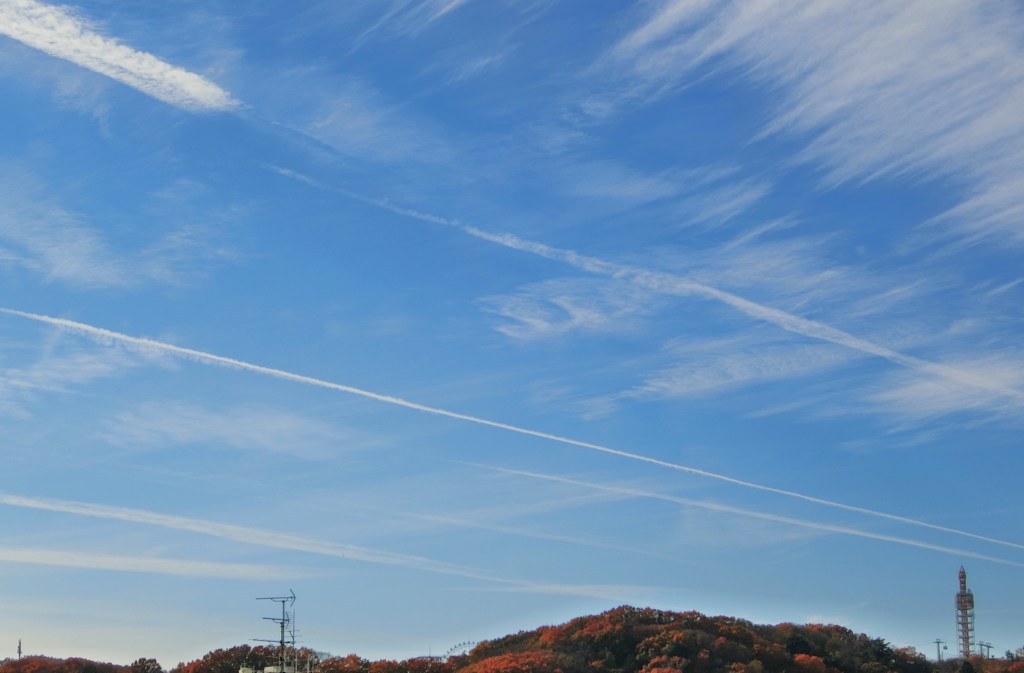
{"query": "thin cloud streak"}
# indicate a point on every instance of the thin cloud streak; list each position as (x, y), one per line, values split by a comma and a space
(239, 534)
(234, 533)
(143, 564)
(108, 336)
(728, 509)
(59, 33)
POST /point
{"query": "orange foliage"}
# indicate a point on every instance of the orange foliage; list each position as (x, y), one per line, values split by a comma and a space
(51, 665)
(806, 663)
(515, 662)
(231, 659)
(665, 664)
(350, 664)
(550, 636)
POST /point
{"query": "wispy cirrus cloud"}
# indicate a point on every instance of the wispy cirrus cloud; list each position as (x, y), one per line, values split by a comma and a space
(49, 240)
(70, 86)
(63, 34)
(707, 196)
(42, 236)
(144, 564)
(556, 307)
(260, 429)
(57, 372)
(713, 366)
(905, 395)
(909, 90)
(349, 115)
(470, 68)
(408, 17)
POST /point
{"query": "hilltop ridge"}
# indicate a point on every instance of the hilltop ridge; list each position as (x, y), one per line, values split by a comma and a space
(622, 640)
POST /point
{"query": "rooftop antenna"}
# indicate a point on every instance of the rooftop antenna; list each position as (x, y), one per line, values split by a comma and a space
(286, 622)
(965, 616)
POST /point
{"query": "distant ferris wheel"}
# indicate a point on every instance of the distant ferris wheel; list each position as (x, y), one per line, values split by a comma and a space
(460, 649)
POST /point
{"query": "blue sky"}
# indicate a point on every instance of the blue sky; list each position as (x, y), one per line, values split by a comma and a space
(463, 317)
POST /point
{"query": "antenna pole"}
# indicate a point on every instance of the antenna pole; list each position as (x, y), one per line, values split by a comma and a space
(284, 621)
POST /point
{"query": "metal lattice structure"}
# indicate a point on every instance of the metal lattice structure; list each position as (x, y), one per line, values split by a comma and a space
(965, 617)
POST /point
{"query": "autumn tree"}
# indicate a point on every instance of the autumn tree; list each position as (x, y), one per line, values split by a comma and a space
(231, 659)
(146, 666)
(350, 664)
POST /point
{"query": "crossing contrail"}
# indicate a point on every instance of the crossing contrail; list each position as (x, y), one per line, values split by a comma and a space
(108, 336)
(763, 516)
(672, 284)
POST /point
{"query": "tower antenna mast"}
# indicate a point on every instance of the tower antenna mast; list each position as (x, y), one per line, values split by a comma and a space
(965, 616)
(284, 621)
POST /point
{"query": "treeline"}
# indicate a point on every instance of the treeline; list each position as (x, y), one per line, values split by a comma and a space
(37, 664)
(623, 640)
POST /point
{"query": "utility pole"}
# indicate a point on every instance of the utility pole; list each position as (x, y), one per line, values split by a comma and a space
(987, 647)
(19, 648)
(939, 646)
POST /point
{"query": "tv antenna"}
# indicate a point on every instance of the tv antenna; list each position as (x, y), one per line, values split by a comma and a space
(287, 623)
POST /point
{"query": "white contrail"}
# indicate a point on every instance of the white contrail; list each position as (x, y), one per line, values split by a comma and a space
(106, 335)
(718, 507)
(58, 32)
(671, 284)
(243, 534)
(143, 564)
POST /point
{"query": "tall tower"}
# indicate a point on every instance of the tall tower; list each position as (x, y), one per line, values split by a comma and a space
(965, 616)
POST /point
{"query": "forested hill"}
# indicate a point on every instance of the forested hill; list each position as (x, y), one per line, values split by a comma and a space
(623, 640)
